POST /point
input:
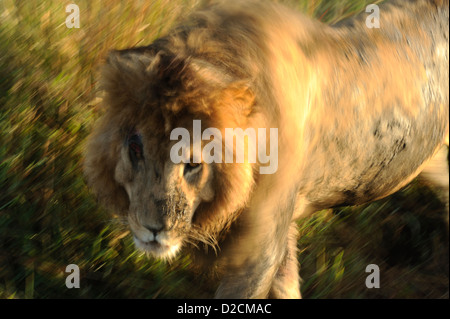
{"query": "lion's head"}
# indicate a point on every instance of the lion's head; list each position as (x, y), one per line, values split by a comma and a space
(148, 93)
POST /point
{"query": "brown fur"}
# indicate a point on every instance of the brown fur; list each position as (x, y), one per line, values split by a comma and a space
(359, 112)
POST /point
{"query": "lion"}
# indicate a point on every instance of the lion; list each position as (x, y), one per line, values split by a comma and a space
(360, 112)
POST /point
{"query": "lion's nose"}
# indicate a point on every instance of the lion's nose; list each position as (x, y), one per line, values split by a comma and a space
(154, 230)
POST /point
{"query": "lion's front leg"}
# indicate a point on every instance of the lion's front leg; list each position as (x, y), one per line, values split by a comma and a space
(286, 284)
(260, 264)
(252, 282)
(249, 275)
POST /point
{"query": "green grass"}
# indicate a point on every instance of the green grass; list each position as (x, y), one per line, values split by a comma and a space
(48, 218)
(405, 235)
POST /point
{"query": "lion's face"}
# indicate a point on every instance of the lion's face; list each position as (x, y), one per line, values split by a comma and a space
(163, 196)
(128, 161)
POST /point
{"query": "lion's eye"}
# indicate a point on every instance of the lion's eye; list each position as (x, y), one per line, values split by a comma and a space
(191, 167)
(135, 147)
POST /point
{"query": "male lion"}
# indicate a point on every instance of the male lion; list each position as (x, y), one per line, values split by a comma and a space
(359, 112)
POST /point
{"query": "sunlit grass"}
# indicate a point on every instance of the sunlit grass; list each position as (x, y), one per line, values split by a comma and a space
(48, 218)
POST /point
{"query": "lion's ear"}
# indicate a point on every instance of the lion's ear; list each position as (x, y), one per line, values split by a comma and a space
(135, 75)
(124, 77)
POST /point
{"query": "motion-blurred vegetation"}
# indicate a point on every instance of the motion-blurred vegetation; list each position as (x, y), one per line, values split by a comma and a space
(48, 218)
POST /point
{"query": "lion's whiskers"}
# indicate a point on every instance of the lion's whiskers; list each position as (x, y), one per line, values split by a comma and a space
(196, 235)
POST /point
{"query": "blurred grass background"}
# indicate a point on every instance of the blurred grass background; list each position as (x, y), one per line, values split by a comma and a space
(48, 218)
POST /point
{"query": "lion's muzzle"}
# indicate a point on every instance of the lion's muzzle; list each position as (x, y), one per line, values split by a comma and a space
(157, 242)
